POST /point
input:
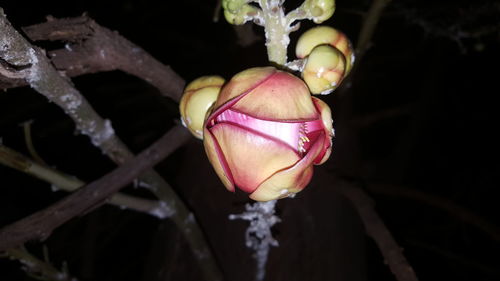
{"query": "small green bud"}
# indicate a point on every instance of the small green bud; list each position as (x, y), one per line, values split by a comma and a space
(233, 6)
(324, 69)
(325, 35)
(319, 10)
(238, 11)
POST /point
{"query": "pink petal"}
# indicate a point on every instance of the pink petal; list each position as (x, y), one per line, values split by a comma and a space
(290, 180)
(242, 83)
(218, 159)
(287, 132)
(326, 116)
(251, 156)
(282, 97)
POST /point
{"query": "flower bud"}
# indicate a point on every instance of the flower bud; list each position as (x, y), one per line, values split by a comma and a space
(324, 69)
(197, 99)
(325, 35)
(265, 133)
(238, 11)
(319, 10)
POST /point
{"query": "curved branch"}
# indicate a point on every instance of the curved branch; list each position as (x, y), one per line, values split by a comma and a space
(38, 71)
(364, 41)
(369, 25)
(92, 48)
(39, 225)
(377, 230)
(447, 205)
(15, 160)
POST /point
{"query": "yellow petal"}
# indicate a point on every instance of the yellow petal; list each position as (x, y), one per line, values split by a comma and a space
(326, 116)
(217, 160)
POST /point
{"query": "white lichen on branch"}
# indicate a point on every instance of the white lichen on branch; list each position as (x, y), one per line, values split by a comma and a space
(163, 210)
(258, 236)
(37, 70)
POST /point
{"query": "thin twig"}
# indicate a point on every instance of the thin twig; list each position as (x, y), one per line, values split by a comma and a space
(364, 41)
(217, 10)
(450, 207)
(377, 230)
(39, 225)
(369, 26)
(457, 259)
(28, 140)
(58, 180)
(36, 267)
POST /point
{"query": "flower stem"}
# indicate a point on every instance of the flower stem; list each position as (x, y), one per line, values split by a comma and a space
(276, 31)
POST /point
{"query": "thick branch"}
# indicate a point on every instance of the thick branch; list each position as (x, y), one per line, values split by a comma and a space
(92, 48)
(377, 230)
(39, 225)
(45, 79)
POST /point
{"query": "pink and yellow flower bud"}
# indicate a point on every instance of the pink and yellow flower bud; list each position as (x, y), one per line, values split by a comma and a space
(325, 35)
(198, 98)
(324, 69)
(265, 133)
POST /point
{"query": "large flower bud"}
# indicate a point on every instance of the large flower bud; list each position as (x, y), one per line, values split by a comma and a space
(265, 133)
(325, 35)
(197, 99)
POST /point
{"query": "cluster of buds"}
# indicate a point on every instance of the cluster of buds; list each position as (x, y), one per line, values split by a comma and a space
(327, 56)
(262, 130)
(240, 11)
(262, 133)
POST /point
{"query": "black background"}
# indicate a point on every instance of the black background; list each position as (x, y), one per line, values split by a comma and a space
(433, 63)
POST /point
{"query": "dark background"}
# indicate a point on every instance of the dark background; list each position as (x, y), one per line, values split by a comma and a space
(415, 126)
